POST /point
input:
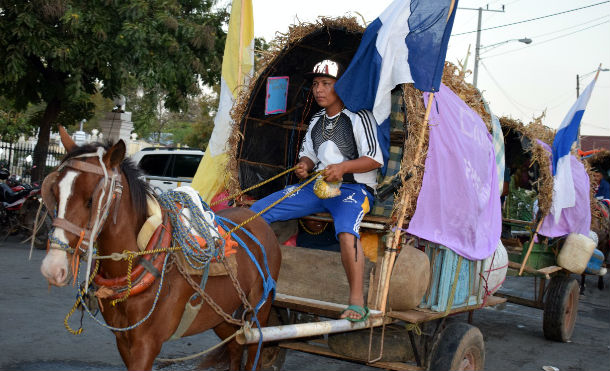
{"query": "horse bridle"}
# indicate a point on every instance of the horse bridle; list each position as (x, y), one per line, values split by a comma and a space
(109, 187)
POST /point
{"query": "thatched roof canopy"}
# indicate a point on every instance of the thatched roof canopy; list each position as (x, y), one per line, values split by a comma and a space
(522, 150)
(279, 136)
(601, 161)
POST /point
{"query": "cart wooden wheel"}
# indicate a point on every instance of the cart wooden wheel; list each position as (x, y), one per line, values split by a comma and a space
(560, 308)
(460, 347)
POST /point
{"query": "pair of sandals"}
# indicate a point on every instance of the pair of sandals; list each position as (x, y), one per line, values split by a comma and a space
(361, 310)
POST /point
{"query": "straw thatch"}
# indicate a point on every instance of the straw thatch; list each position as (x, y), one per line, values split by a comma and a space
(600, 160)
(539, 131)
(415, 149)
(278, 47)
(537, 156)
(416, 144)
(454, 79)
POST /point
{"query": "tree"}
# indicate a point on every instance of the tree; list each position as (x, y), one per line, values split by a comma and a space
(56, 52)
(12, 123)
(201, 130)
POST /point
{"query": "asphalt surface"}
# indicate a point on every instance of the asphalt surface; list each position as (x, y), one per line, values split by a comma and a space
(34, 338)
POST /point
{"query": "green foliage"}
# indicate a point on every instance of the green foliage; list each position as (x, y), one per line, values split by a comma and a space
(201, 129)
(519, 202)
(58, 52)
(59, 49)
(12, 122)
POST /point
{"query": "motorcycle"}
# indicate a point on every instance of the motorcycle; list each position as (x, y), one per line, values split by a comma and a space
(19, 205)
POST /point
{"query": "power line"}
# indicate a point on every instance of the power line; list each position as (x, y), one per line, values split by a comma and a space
(533, 19)
(567, 28)
(545, 41)
(510, 99)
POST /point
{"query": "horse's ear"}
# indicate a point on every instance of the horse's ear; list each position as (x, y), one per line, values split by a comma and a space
(115, 155)
(66, 139)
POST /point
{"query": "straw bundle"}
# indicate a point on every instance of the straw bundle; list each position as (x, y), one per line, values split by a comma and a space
(279, 46)
(454, 79)
(538, 155)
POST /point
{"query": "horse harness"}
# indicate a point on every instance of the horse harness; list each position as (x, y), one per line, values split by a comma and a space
(109, 186)
(107, 192)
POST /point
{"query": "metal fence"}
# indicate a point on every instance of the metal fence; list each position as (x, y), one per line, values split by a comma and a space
(17, 158)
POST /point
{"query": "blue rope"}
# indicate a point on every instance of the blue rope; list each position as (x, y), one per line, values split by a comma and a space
(268, 283)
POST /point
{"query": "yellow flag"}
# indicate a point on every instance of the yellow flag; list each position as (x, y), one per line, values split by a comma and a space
(237, 68)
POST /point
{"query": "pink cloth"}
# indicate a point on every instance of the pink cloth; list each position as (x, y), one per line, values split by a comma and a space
(458, 205)
(575, 219)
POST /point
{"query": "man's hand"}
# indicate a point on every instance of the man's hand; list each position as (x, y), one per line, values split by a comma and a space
(334, 173)
(301, 170)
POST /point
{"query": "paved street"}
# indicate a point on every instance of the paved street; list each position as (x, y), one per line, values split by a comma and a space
(34, 338)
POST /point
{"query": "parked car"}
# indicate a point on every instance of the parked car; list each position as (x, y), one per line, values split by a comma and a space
(166, 168)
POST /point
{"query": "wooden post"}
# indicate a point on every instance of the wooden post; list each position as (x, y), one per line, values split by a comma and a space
(390, 256)
(529, 248)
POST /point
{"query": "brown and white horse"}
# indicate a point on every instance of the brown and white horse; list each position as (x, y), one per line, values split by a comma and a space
(99, 198)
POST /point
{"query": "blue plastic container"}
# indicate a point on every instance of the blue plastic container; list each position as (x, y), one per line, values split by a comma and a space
(595, 263)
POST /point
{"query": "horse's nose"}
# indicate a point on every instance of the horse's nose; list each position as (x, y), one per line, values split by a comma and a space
(55, 269)
(57, 278)
(61, 277)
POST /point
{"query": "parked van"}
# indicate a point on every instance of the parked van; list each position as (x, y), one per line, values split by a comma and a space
(166, 168)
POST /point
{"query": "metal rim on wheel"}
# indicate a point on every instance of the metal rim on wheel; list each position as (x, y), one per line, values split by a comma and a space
(459, 347)
(469, 360)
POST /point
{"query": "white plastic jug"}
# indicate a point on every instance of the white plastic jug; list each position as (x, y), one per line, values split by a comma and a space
(494, 270)
(576, 252)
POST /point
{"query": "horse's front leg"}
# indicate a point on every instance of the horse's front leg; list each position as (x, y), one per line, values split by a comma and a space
(122, 344)
(224, 330)
(142, 352)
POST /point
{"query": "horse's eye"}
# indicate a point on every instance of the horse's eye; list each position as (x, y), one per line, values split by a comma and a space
(89, 203)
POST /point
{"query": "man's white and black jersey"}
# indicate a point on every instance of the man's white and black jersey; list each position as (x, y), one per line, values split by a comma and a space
(345, 136)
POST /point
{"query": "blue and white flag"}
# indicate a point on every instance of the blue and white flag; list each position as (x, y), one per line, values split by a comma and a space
(567, 134)
(407, 43)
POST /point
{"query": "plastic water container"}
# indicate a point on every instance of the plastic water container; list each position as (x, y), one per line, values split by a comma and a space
(595, 264)
(576, 253)
(494, 271)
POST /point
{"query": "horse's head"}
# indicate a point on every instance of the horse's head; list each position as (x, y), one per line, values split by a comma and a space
(79, 194)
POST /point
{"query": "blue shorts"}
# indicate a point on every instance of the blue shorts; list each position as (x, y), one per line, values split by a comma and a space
(347, 209)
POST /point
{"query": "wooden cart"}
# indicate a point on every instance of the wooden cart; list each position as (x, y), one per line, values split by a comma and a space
(312, 288)
(555, 292)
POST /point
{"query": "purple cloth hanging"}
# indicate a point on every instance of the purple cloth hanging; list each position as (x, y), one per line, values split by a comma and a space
(458, 205)
(575, 219)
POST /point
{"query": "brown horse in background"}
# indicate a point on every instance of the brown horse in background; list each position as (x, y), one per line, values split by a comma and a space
(75, 186)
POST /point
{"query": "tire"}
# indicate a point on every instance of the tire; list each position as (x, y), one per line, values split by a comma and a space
(459, 347)
(560, 308)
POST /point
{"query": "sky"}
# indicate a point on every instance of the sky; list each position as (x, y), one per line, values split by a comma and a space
(518, 80)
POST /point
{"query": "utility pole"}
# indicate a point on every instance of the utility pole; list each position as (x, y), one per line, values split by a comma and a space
(577, 86)
(475, 74)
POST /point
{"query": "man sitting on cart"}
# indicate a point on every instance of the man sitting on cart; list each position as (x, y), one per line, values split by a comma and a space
(344, 144)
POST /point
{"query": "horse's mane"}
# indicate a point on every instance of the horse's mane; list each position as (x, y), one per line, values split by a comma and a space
(138, 189)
